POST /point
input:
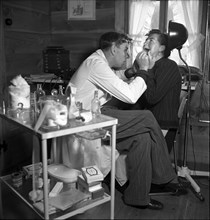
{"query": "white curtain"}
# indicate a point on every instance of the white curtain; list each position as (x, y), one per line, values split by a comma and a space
(140, 22)
(187, 13)
(144, 15)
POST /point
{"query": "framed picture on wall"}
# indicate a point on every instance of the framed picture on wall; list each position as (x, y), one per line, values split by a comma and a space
(81, 9)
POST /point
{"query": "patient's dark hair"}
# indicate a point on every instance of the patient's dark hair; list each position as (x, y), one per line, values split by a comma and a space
(107, 39)
(163, 40)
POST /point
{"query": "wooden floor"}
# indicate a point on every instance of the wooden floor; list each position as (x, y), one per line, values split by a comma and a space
(175, 207)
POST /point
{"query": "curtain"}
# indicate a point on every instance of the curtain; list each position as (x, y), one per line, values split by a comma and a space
(144, 15)
(187, 13)
(141, 14)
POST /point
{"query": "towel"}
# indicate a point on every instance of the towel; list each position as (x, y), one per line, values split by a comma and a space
(19, 92)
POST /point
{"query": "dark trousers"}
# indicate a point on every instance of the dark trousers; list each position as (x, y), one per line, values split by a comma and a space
(148, 161)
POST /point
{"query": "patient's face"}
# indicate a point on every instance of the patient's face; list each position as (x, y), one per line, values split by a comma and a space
(152, 45)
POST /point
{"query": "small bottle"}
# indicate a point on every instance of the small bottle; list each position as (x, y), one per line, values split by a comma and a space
(68, 101)
(95, 105)
(37, 94)
(60, 90)
(61, 97)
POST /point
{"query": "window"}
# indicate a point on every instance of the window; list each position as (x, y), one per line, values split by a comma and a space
(145, 15)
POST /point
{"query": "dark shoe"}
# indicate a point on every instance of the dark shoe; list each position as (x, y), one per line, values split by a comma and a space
(177, 189)
(153, 204)
(178, 186)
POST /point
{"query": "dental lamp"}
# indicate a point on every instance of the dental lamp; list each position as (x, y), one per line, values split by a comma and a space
(177, 36)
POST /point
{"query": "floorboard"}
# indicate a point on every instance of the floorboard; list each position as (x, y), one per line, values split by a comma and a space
(175, 207)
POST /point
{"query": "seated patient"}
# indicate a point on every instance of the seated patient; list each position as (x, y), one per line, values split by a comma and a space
(138, 132)
(162, 96)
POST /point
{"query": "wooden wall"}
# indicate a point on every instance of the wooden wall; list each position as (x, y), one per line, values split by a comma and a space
(38, 24)
(26, 33)
(80, 37)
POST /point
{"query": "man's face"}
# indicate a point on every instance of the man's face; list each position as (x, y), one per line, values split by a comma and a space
(121, 55)
(152, 45)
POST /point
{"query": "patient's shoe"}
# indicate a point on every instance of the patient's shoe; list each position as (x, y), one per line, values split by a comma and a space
(178, 188)
(153, 204)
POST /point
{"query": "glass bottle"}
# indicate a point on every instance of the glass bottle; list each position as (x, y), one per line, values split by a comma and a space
(37, 94)
(95, 105)
(60, 90)
(61, 97)
(68, 101)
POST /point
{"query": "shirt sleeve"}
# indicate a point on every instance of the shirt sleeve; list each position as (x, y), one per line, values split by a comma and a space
(128, 92)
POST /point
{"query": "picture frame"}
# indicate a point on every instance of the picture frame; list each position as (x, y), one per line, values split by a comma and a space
(81, 9)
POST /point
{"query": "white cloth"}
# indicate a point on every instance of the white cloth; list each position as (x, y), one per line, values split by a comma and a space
(76, 152)
(121, 172)
(95, 74)
(19, 93)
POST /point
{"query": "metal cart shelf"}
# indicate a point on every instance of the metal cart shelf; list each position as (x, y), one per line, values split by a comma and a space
(73, 127)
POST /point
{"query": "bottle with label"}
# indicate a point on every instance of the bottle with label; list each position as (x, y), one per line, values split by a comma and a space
(95, 105)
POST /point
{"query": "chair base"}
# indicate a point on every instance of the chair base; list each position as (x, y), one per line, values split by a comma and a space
(161, 192)
(157, 190)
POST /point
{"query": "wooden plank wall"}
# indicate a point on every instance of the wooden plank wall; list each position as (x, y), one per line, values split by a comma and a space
(80, 37)
(27, 32)
(38, 24)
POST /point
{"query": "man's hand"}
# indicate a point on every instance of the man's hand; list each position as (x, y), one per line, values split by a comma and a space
(130, 72)
(143, 61)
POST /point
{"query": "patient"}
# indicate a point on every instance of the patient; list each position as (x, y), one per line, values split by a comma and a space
(138, 132)
(162, 96)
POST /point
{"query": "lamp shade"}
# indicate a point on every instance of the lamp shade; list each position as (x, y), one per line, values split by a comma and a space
(177, 35)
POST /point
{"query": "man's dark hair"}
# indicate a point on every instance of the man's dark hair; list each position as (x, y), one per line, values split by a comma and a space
(107, 39)
(163, 40)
